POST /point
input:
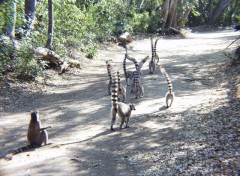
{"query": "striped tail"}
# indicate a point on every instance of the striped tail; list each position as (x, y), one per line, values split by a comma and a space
(114, 97)
(124, 63)
(124, 67)
(9, 155)
(134, 61)
(142, 62)
(154, 49)
(119, 81)
(126, 49)
(136, 75)
(155, 57)
(169, 82)
(109, 67)
(151, 38)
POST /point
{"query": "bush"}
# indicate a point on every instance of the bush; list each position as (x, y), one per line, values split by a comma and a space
(154, 21)
(26, 66)
(140, 22)
(6, 53)
(90, 50)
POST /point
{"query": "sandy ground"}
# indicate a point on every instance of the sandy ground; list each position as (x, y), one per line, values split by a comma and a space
(77, 105)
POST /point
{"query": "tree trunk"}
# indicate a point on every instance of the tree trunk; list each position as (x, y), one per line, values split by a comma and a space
(174, 20)
(182, 22)
(230, 15)
(50, 25)
(140, 7)
(30, 9)
(10, 30)
(218, 11)
(165, 13)
(210, 9)
(171, 13)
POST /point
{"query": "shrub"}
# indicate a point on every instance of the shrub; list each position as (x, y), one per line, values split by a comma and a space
(6, 53)
(140, 22)
(26, 65)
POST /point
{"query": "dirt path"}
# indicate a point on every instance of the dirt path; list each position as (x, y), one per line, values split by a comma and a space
(175, 141)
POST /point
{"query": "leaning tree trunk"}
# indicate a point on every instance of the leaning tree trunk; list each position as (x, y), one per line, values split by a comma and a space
(184, 19)
(10, 30)
(165, 13)
(140, 7)
(210, 9)
(218, 11)
(50, 25)
(30, 9)
(171, 13)
(174, 21)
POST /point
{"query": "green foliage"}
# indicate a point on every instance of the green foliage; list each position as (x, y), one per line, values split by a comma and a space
(195, 12)
(109, 16)
(231, 15)
(21, 60)
(140, 22)
(6, 49)
(81, 24)
(154, 22)
(90, 50)
(26, 66)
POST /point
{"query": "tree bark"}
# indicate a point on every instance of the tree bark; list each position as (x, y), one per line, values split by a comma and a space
(171, 13)
(182, 22)
(174, 20)
(210, 9)
(10, 28)
(49, 56)
(12, 22)
(140, 7)
(218, 11)
(30, 9)
(50, 25)
(166, 5)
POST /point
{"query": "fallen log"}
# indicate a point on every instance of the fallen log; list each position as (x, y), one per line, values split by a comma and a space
(172, 30)
(49, 56)
(70, 63)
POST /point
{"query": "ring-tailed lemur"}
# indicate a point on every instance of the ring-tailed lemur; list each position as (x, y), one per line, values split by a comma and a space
(121, 89)
(109, 67)
(136, 86)
(170, 94)
(155, 58)
(36, 136)
(118, 108)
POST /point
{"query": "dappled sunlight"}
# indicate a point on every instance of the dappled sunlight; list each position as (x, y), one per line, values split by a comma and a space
(82, 133)
(195, 44)
(155, 125)
(148, 106)
(78, 108)
(185, 102)
(212, 35)
(13, 119)
(50, 162)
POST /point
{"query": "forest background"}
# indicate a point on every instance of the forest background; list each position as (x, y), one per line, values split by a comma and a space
(66, 25)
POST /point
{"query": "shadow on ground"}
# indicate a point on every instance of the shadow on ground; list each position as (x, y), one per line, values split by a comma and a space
(187, 138)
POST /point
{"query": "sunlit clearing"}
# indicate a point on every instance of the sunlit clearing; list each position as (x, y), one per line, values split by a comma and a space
(155, 125)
